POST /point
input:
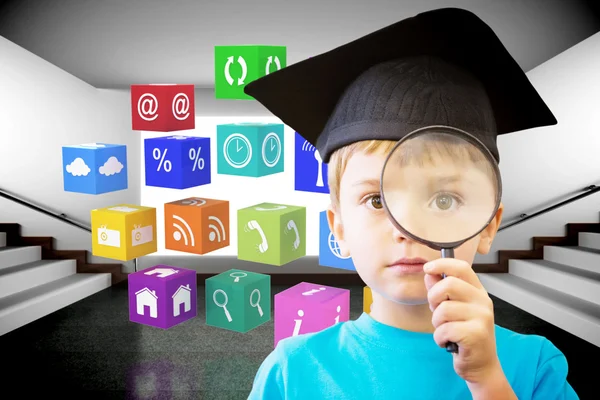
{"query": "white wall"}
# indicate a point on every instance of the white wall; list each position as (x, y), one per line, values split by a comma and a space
(541, 167)
(44, 108)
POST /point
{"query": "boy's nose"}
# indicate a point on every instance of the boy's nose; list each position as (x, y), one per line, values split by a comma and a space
(398, 235)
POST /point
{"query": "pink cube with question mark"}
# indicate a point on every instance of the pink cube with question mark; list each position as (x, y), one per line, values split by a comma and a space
(309, 307)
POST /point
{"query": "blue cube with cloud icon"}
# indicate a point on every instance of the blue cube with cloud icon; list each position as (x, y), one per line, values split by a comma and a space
(329, 250)
(310, 173)
(94, 168)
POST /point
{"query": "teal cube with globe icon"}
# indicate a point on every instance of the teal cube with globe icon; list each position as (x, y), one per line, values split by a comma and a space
(270, 233)
(238, 300)
(236, 66)
(250, 149)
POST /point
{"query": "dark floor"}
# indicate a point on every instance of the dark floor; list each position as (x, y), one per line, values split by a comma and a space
(92, 346)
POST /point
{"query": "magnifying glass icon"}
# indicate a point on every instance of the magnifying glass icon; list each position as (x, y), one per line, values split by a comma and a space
(238, 275)
(260, 311)
(222, 305)
(440, 186)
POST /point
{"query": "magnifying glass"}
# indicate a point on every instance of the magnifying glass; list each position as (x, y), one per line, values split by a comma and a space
(260, 311)
(238, 275)
(441, 186)
(222, 305)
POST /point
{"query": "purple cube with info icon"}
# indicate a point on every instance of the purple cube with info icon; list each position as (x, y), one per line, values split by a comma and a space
(162, 296)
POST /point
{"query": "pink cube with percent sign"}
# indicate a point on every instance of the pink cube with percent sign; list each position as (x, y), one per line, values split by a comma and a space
(309, 307)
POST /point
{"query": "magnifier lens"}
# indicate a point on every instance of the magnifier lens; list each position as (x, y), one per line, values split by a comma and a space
(441, 186)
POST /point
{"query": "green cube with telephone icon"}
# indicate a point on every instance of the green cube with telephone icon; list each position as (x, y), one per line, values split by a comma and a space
(270, 233)
(238, 300)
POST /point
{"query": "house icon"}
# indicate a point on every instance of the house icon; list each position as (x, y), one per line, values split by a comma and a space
(182, 295)
(146, 297)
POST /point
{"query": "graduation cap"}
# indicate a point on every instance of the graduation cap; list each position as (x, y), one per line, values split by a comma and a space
(440, 67)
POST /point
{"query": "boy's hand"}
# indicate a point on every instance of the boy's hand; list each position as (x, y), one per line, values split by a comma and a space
(463, 313)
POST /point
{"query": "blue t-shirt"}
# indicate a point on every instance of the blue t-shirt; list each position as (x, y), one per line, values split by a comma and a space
(365, 359)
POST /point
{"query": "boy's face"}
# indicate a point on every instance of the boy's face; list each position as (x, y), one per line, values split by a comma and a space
(365, 232)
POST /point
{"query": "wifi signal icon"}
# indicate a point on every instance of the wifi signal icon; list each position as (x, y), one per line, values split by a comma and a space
(306, 146)
(183, 233)
(215, 232)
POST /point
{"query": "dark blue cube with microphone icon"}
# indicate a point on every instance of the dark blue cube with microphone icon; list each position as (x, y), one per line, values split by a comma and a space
(329, 250)
(177, 162)
(238, 300)
(310, 173)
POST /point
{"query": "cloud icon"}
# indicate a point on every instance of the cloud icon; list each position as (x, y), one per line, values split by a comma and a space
(111, 166)
(78, 167)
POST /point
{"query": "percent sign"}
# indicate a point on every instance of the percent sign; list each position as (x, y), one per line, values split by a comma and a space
(195, 156)
(157, 155)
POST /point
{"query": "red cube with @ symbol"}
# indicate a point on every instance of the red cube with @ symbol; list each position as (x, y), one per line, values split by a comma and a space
(162, 107)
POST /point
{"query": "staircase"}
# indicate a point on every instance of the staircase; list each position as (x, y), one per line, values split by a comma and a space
(36, 279)
(558, 281)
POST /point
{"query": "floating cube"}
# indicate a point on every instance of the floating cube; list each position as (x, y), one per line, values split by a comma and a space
(123, 232)
(271, 233)
(367, 299)
(238, 300)
(197, 225)
(177, 162)
(235, 66)
(310, 173)
(309, 307)
(94, 168)
(162, 296)
(162, 108)
(250, 149)
(329, 250)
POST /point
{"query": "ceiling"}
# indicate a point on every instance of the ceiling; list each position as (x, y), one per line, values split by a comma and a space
(113, 43)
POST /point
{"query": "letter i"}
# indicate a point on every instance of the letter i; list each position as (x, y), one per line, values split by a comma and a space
(337, 319)
(298, 323)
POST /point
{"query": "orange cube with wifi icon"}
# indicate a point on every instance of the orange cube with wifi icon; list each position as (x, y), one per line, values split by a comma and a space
(197, 225)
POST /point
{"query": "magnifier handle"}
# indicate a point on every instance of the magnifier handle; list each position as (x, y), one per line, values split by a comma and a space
(451, 347)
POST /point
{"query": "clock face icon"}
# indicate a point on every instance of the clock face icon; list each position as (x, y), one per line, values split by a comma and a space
(237, 150)
(271, 149)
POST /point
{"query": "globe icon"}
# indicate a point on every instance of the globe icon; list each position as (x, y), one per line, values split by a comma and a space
(335, 247)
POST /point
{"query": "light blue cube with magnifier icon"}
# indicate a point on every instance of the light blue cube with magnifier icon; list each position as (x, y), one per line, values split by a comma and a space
(238, 300)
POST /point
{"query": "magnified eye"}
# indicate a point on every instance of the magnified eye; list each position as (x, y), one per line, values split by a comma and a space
(446, 202)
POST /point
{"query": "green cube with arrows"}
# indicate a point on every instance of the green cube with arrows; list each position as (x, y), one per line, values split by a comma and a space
(235, 66)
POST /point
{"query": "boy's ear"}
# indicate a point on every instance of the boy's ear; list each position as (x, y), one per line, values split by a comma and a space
(489, 233)
(334, 219)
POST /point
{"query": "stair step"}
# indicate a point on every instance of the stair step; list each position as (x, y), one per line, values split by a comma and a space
(25, 307)
(573, 281)
(2, 239)
(26, 276)
(579, 317)
(11, 256)
(590, 240)
(574, 256)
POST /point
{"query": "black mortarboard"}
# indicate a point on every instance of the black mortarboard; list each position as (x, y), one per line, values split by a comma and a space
(441, 67)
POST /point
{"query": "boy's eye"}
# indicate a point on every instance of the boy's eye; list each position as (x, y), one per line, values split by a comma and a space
(446, 202)
(374, 201)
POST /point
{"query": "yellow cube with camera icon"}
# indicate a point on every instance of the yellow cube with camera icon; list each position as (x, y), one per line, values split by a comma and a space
(367, 299)
(123, 232)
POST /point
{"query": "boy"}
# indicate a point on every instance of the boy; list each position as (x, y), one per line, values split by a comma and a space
(443, 67)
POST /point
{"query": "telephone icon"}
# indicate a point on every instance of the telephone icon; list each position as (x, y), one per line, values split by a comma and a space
(253, 225)
(291, 225)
